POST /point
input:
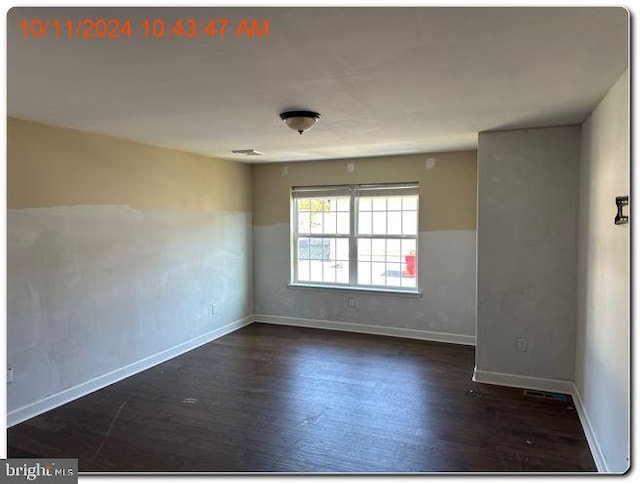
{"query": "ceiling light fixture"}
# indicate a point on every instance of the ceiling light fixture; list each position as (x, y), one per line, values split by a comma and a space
(300, 121)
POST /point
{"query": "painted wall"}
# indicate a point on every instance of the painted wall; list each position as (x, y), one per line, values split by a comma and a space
(446, 248)
(527, 222)
(602, 352)
(116, 251)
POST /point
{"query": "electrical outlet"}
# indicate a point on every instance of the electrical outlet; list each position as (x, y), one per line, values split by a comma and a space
(521, 343)
(351, 302)
(214, 309)
(9, 375)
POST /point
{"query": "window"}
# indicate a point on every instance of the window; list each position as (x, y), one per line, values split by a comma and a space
(361, 236)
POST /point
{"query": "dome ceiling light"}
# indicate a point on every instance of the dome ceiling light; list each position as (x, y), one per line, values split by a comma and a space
(300, 121)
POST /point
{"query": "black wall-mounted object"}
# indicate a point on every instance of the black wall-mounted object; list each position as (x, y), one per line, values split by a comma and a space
(621, 219)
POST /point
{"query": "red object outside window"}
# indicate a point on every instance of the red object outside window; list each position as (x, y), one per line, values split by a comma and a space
(411, 264)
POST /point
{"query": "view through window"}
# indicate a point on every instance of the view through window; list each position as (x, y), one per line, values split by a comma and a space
(359, 235)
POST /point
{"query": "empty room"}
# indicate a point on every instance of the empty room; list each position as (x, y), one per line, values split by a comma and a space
(323, 240)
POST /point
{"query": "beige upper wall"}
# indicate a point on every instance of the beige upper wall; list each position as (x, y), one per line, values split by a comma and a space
(51, 166)
(447, 185)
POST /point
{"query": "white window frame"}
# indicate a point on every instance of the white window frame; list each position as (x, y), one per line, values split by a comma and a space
(354, 192)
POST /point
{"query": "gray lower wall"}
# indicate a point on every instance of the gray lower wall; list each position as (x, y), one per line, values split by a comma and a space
(120, 255)
(527, 220)
(92, 289)
(446, 271)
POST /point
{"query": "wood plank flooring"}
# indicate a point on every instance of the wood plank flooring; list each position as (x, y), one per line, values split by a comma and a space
(270, 398)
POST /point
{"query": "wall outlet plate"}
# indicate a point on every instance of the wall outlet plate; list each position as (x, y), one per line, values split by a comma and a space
(521, 344)
(9, 375)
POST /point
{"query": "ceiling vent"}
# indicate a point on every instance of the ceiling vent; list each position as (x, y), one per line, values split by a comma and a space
(250, 152)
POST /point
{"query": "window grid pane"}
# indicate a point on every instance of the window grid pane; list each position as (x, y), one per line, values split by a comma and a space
(385, 240)
(386, 262)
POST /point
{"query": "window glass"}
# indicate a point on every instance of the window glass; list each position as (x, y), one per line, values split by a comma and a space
(382, 233)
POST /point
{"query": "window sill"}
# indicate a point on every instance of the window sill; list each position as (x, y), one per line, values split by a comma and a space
(365, 290)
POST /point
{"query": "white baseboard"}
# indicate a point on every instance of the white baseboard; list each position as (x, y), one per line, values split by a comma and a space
(48, 403)
(521, 381)
(549, 385)
(28, 411)
(367, 328)
(594, 445)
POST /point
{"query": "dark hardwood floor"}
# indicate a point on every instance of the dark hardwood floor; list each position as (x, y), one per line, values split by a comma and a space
(272, 398)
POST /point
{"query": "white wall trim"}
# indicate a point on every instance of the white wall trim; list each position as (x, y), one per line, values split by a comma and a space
(550, 385)
(368, 329)
(33, 409)
(522, 381)
(519, 381)
(592, 440)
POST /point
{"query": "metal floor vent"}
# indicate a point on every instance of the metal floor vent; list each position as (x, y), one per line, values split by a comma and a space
(548, 395)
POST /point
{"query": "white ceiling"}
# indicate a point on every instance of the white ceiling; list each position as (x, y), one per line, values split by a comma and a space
(385, 80)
